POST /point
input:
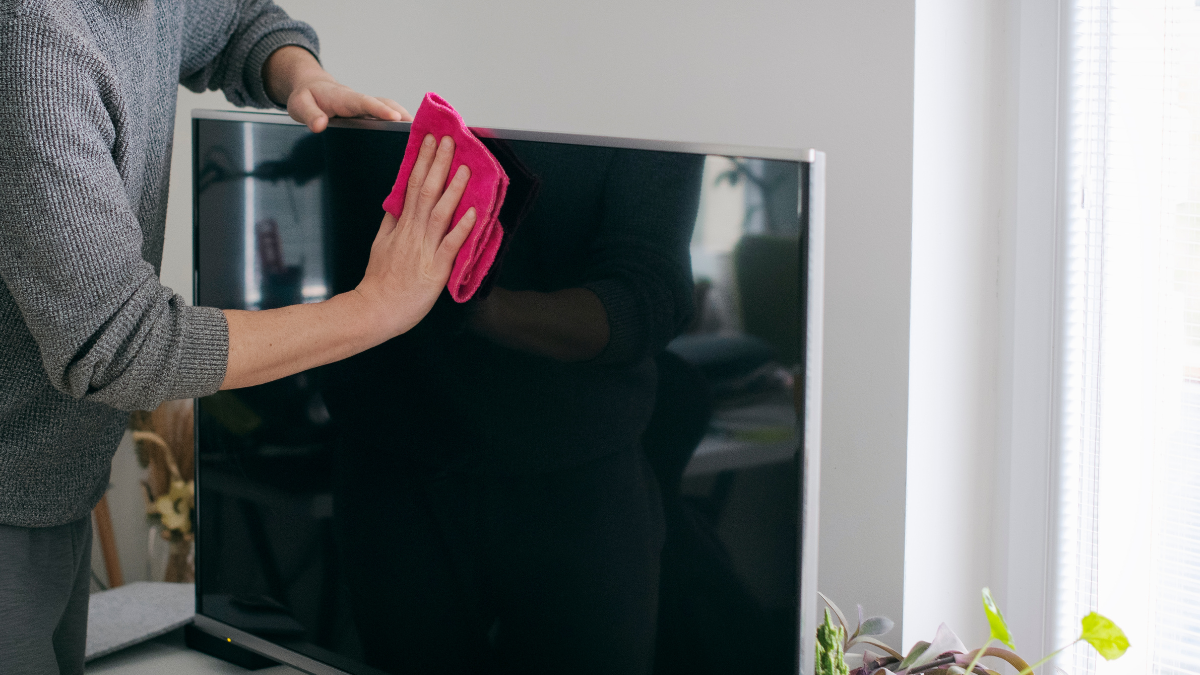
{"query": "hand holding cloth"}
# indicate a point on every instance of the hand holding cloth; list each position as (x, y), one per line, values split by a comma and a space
(485, 192)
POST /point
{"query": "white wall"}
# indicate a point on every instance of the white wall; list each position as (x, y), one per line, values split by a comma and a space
(836, 76)
(958, 155)
(981, 390)
(855, 75)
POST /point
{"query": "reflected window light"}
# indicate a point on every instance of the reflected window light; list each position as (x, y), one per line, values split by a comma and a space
(314, 292)
(249, 254)
(722, 207)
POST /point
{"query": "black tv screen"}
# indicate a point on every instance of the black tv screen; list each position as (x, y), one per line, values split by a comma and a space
(531, 481)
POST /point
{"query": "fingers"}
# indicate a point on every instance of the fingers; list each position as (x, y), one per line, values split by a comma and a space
(369, 105)
(404, 114)
(304, 109)
(439, 219)
(420, 169)
(384, 109)
(320, 100)
(435, 181)
(448, 249)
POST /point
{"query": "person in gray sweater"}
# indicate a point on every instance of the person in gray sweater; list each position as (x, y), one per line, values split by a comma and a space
(87, 331)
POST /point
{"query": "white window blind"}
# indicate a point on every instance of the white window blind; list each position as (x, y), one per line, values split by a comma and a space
(1129, 480)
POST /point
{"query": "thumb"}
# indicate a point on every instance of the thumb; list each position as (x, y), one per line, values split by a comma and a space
(303, 108)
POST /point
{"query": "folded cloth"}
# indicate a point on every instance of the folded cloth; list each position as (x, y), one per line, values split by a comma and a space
(485, 191)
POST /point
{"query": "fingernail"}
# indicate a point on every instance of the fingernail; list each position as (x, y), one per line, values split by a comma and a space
(428, 142)
(446, 141)
(464, 171)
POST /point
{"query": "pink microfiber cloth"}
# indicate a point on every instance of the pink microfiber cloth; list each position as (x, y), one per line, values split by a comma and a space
(485, 191)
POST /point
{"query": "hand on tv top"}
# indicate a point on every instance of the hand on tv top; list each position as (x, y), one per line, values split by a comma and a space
(412, 256)
(293, 76)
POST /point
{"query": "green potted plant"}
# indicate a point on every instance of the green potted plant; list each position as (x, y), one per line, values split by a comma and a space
(945, 654)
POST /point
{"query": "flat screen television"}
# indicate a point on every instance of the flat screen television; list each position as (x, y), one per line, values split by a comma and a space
(473, 499)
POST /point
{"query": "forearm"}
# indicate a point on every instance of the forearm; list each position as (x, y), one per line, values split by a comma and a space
(567, 325)
(223, 43)
(274, 343)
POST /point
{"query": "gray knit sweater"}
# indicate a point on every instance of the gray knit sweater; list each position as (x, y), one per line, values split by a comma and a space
(87, 332)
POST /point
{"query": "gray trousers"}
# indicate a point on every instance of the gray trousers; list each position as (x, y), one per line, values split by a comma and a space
(45, 576)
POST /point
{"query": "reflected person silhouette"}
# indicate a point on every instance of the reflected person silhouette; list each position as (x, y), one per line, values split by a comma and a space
(494, 510)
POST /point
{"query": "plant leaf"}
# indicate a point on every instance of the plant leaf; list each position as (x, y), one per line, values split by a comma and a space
(996, 621)
(943, 641)
(1101, 633)
(913, 654)
(840, 617)
(977, 670)
(882, 645)
(876, 625)
(1009, 657)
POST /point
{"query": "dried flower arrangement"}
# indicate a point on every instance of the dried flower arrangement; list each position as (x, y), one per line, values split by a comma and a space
(164, 443)
(946, 655)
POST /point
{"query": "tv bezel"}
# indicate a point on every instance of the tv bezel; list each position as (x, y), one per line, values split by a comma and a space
(812, 287)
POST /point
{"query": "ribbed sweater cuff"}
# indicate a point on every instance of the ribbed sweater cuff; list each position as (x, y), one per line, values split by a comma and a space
(625, 331)
(258, 58)
(203, 353)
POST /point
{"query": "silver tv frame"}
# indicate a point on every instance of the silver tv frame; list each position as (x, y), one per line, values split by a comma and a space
(812, 247)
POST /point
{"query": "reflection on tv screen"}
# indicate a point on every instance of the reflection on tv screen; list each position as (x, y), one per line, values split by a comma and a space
(589, 467)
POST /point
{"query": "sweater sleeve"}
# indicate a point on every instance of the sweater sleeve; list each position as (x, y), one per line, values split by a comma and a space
(226, 43)
(640, 265)
(70, 243)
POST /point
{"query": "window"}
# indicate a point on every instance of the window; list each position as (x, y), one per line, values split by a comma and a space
(1129, 481)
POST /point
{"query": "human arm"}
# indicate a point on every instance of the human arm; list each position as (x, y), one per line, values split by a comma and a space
(410, 262)
(77, 287)
(224, 45)
(73, 259)
(259, 56)
(71, 256)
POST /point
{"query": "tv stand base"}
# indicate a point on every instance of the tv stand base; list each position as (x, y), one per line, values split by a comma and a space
(226, 651)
